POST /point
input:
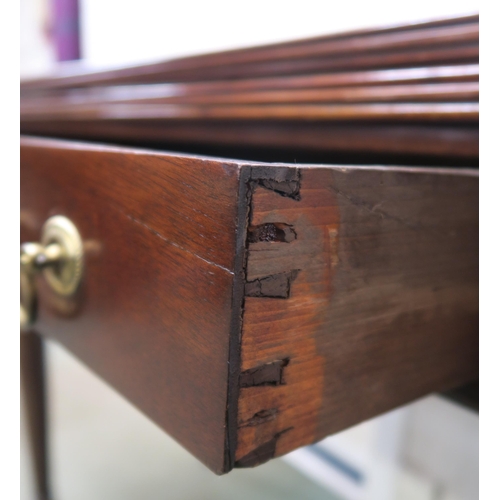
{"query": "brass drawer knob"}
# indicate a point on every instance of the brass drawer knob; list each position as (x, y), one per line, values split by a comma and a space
(59, 257)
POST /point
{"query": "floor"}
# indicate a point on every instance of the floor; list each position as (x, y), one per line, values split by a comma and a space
(105, 449)
(102, 448)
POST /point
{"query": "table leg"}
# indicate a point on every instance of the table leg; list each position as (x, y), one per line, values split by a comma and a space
(33, 394)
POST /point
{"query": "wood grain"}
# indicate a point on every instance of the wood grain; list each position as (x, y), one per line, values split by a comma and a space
(153, 315)
(249, 309)
(404, 94)
(382, 306)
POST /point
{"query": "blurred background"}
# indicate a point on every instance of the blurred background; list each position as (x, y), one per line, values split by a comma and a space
(101, 446)
(106, 33)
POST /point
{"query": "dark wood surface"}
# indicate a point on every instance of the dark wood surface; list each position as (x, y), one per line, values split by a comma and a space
(184, 90)
(380, 142)
(135, 96)
(34, 402)
(362, 295)
(250, 309)
(433, 112)
(467, 395)
(405, 95)
(153, 315)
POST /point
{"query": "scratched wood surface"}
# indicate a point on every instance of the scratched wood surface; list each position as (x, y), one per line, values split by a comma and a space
(153, 315)
(361, 295)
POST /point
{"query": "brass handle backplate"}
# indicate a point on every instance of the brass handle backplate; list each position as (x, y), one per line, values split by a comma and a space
(59, 257)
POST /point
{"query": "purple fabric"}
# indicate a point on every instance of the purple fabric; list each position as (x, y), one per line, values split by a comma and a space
(66, 29)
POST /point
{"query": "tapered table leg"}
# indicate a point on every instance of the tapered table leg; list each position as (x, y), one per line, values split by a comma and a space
(33, 394)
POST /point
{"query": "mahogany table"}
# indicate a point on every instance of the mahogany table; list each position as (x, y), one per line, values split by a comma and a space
(253, 307)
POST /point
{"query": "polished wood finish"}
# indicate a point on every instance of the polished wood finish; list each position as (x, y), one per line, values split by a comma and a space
(249, 309)
(33, 393)
(153, 315)
(183, 90)
(407, 94)
(74, 104)
(457, 112)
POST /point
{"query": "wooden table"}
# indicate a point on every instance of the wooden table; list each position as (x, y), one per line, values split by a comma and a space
(250, 308)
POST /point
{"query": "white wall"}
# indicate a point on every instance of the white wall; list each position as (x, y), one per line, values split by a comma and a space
(37, 54)
(118, 32)
(126, 31)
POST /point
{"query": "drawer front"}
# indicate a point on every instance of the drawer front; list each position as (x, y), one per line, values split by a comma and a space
(152, 315)
(250, 309)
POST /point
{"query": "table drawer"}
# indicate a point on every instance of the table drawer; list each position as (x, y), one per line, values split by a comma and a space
(250, 308)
